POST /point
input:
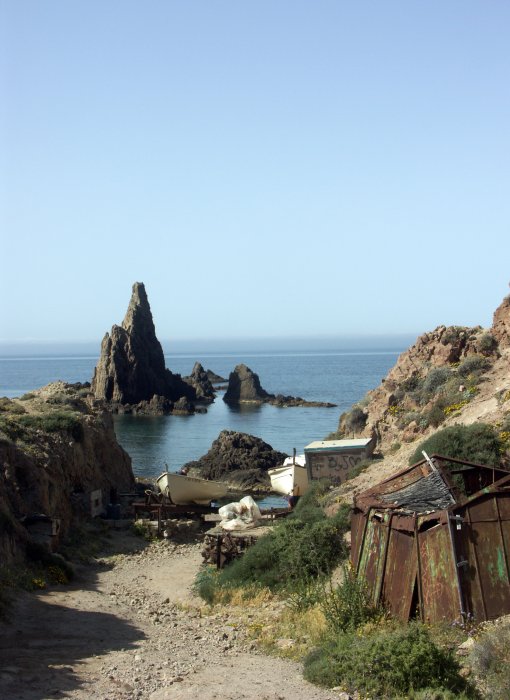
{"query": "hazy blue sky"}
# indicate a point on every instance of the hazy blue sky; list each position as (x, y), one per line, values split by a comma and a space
(267, 168)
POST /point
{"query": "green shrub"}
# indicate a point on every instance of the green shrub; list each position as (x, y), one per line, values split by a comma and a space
(205, 584)
(412, 383)
(305, 593)
(306, 545)
(387, 663)
(437, 694)
(349, 605)
(55, 421)
(478, 442)
(453, 334)
(294, 552)
(10, 427)
(490, 659)
(436, 415)
(487, 343)
(8, 406)
(473, 365)
(434, 379)
(408, 417)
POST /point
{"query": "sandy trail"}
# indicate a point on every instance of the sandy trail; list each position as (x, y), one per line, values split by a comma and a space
(131, 628)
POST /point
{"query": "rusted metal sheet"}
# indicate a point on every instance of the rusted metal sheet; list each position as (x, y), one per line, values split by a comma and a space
(468, 573)
(358, 523)
(372, 559)
(488, 542)
(440, 595)
(504, 505)
(482, 510)
(400, 573)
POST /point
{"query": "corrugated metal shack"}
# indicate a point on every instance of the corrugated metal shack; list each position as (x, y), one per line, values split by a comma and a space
(433, 541)
(332, 459)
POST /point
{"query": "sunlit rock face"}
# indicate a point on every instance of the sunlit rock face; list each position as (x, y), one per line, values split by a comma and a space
(501, 323)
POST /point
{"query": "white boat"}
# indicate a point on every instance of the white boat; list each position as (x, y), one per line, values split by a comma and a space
(183, 490)
(291, 479)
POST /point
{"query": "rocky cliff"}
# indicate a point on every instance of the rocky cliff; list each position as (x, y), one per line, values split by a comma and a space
(55, 451)
(240, 459)
(131, 367)
(501, 323)
(452, 375)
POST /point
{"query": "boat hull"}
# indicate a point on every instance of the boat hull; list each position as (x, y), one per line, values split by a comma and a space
(185, 490)
(289, 479)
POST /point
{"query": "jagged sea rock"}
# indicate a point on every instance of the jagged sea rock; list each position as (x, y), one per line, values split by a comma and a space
(200, 382)
(157, 406)
(131, 366)
(244, 387)
(239, 459)
(183, 407)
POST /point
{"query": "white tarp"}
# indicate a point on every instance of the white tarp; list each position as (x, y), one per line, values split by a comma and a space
(241, 515)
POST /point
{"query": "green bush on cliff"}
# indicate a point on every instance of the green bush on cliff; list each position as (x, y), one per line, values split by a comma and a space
(477, 443)
(8, 406)
(16, 426)
(488, 343)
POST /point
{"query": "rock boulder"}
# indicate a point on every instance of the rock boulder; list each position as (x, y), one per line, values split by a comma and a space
(240, 459)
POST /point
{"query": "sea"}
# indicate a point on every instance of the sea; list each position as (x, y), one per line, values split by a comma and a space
(156, 443)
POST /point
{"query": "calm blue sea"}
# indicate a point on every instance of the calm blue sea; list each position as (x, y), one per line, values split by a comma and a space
(153, 442)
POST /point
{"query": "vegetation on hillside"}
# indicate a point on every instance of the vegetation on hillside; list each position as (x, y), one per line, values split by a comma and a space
(479, 442)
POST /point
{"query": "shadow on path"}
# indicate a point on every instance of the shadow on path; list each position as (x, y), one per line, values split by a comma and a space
(50, 636)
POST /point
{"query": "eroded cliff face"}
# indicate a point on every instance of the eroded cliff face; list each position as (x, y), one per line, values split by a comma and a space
(131, 368)
(436, 381)
(54, 452)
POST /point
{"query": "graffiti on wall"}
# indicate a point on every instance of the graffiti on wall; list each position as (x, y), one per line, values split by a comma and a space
(333, 466)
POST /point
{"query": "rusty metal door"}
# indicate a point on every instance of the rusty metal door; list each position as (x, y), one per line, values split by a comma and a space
(400, 573)
(440, 593)
(373, 552)
(489, 520)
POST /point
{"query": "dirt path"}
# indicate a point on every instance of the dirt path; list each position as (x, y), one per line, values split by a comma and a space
(131, 628)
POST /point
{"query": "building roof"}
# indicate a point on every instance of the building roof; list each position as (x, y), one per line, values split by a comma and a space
(337, 445)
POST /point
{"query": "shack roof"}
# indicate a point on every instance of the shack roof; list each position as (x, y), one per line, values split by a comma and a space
(430, 485)
(337, 445)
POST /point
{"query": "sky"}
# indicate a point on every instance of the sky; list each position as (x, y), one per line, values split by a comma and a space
(268, 169)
